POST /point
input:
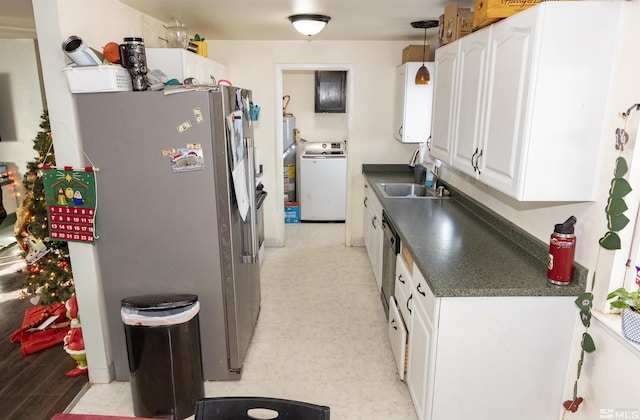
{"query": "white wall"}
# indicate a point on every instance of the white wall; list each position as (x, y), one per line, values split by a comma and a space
(21, 106)
(254, 64)
(300, 86)
(609, 378)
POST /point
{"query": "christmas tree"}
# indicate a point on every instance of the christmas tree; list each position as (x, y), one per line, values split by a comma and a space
(48, 271)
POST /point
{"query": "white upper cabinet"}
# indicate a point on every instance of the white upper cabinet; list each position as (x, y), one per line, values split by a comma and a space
(178, 63)
(413, 104)
(446, 66)
(530, 93)
(468, 113)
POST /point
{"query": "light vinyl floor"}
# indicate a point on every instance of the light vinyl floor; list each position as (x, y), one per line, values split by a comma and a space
(321, 335)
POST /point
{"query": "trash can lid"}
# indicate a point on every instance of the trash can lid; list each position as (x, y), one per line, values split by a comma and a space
(159, 301)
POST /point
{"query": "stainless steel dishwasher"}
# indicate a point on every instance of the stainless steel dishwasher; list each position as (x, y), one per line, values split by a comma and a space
(390, 250)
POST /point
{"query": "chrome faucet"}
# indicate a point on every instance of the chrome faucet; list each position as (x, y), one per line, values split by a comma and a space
(436, 176)
(434, 171)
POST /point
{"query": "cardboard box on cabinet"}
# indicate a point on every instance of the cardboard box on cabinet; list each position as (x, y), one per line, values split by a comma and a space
(455, 23)
(486, 12)
(414, 53)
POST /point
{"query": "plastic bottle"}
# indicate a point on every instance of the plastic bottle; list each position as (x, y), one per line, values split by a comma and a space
(428, 180)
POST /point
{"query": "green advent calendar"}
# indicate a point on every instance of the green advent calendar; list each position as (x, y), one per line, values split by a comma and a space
(71, 203)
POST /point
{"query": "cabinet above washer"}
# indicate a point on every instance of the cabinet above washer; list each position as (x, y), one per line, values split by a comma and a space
(413, 104)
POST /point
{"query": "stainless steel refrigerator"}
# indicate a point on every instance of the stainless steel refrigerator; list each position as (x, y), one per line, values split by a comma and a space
(176, 207)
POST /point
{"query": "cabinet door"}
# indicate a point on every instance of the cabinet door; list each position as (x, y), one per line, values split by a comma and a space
(368, 226)
(468, 113)
(444, 92)
(372, 232)
(403, 290)
(418, 372)
(413, 104)
(398, 105)
(507, 92)
(397, 336)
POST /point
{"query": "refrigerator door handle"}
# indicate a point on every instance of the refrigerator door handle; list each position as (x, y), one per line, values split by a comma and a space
(250, 256)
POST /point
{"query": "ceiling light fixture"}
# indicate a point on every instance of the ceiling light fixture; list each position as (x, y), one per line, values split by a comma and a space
(422, 76)
(308, 24)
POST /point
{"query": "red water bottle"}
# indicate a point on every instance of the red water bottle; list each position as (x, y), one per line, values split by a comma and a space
(562, 250)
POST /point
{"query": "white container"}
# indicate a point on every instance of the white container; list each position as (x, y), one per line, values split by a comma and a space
(102, 78)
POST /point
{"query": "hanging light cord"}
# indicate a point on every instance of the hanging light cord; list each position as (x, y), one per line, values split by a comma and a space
(424, 45)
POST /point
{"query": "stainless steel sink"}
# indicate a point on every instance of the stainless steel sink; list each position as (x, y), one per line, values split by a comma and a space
(407, 190)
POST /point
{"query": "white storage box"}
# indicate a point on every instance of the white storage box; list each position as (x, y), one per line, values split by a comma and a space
(102, 78)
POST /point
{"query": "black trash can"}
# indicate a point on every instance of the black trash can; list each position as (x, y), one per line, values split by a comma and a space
(163, 346)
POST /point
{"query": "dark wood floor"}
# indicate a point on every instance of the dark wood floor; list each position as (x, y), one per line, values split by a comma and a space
(32, 387)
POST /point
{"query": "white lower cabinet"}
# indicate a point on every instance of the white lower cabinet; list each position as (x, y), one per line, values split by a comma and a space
(421, 341)
(397, 336)
(372, 230)
(418, 366)
(487, 358)
(403, 289)
(400, 315)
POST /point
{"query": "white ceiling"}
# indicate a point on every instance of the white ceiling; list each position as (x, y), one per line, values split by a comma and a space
(384, 20)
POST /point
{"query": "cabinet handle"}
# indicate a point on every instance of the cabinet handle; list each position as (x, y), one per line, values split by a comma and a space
(393, 324)
(365, 202)
(400, 131)
(400, 278)
(373, 221)
(429, 143)
(473, 156)
(478, 162)
(409, 300)
(420, 291)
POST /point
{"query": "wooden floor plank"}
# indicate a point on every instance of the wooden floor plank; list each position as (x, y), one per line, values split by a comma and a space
(32, 387)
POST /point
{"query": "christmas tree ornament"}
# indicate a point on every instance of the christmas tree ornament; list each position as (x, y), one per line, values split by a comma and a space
(74, 341)
(37, 249)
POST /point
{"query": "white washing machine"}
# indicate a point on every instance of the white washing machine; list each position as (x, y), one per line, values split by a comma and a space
(322, 181)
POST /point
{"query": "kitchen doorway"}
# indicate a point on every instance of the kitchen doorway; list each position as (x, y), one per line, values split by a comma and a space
(297, 81)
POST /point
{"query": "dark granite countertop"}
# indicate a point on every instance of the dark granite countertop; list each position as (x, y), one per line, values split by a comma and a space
(464, 249)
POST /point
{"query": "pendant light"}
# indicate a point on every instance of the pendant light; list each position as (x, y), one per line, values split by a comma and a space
(422, 76)
(308, 24)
